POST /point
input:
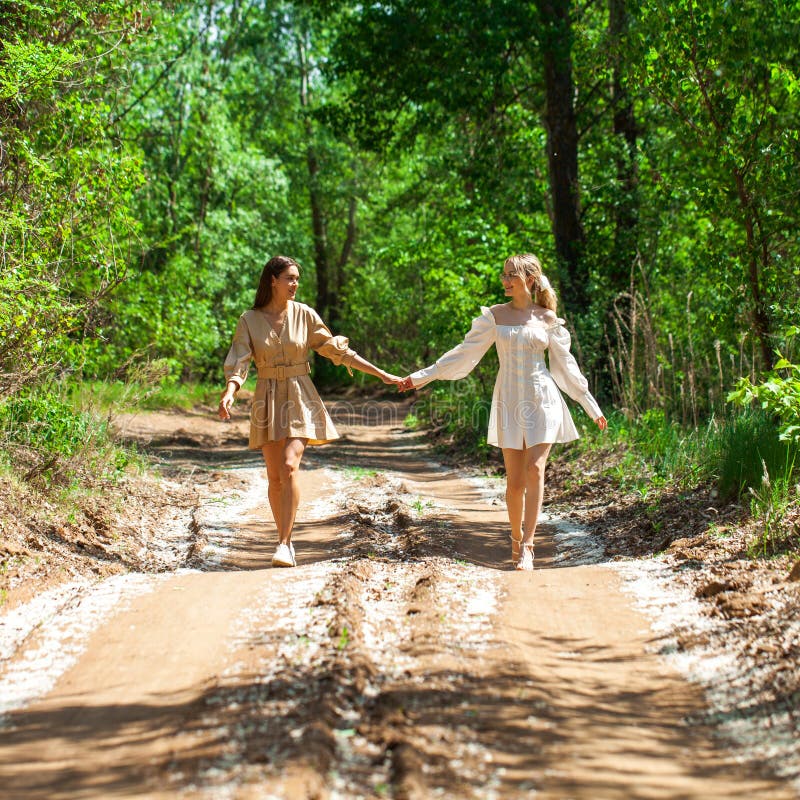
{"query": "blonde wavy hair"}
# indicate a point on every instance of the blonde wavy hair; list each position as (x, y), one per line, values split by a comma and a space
(527, 265)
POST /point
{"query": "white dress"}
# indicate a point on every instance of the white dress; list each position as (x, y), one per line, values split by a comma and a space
(527, 407)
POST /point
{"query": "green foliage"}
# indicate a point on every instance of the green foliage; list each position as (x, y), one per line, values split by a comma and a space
(48, 423)
(712, 173)
(770, 502)
(66, 218)
(723, 144)
(743, 448)
(657, 451)
(50, 441)
(778, 394)
(411, 421)
(226, 142)
(142, 393)
(734, 453)
(742, 455)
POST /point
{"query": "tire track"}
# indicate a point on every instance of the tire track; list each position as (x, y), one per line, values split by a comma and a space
(308, 708)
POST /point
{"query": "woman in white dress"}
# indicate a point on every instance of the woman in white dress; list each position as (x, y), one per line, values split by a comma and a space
(528, 413)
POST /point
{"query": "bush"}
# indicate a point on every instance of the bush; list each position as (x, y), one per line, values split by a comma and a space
(778, 394)
(746, 447)
(733, 453)
(45, 422)
(48, 440)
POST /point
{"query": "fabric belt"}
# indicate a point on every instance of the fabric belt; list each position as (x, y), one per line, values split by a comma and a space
(284, 371)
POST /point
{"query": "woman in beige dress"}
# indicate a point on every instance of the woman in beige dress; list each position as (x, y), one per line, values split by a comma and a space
(528, 413)
(287, 412)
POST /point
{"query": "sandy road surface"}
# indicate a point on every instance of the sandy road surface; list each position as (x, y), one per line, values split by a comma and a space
(403, 658)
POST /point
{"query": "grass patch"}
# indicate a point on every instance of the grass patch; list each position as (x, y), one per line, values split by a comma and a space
(357, 473)
(742, 458)
(142, 386)
(420, 505)
(650, 452)
(732, 453)
(746, 449)
(115, 397)
(58, 447)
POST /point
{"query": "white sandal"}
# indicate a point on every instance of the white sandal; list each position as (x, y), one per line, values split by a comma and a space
(526, 557)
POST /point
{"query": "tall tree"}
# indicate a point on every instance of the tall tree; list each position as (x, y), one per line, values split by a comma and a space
(555, 41)
(626, 133)
(223, 102)
(329, 266)
(728, 76)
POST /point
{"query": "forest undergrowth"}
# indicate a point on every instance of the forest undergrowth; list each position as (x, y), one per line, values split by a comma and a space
(678, 482)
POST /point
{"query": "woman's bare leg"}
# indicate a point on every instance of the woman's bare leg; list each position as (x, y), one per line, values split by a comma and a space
(535, 463)
(515, 495)
(272, 452)
(283, 462)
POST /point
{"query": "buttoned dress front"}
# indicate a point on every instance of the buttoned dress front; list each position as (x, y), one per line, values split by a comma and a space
(286, 402)
(527, 406)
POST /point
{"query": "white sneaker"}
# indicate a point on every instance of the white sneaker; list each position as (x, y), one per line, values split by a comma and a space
(284, 557)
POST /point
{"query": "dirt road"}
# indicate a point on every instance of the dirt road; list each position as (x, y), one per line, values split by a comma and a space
(402, 658)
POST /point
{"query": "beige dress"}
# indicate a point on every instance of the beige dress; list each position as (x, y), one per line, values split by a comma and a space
(286, 403)
(527, 406)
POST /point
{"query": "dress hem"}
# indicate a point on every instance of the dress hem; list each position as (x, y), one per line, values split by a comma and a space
(309, 443)
(545, 441)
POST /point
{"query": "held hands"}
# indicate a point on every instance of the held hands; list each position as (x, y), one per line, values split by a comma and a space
(402, 384)
(601, 423)
(387, 377)
(226, 401)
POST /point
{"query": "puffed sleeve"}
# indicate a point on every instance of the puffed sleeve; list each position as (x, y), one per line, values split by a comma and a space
(237, 362)
(321, 340)
(565, 370)
(463, 358)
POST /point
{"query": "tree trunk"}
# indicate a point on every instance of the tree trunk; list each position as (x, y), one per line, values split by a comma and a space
(324, 303)
(626, 209)
(761, 324)
(562, 149)
(319, 231)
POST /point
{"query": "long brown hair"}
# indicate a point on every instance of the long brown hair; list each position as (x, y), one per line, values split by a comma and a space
(274, 267)
(527, 265)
